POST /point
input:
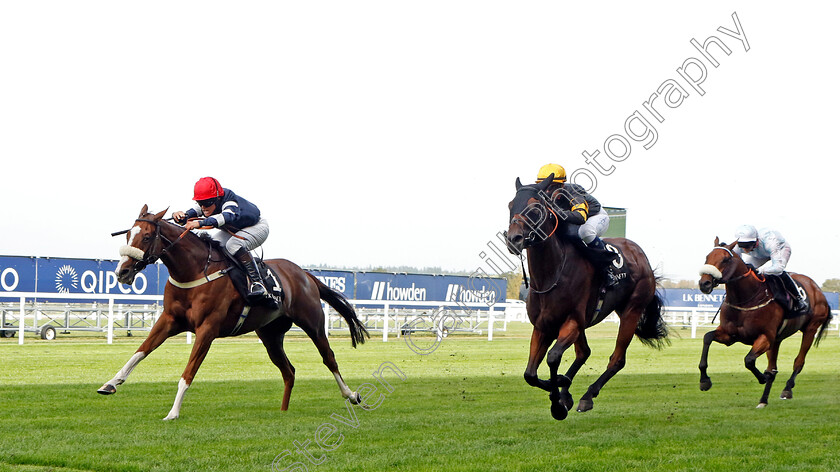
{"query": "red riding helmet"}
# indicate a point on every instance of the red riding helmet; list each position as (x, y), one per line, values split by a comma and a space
(207, 188)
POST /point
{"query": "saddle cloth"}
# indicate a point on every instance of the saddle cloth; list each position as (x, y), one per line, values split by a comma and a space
(785, 298)
(272, 282)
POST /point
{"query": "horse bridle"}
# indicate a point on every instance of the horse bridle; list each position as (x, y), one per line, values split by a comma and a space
(148, 256)
(532, 234)
(531, 237)
(717, 281)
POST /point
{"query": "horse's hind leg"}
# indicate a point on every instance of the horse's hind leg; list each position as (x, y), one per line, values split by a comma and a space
(164, 328)
(799, 363)
(272, 338)
(314, 328)
(626, 330)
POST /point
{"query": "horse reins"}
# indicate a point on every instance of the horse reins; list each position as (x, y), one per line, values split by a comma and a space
(749, 272)
(519, 220)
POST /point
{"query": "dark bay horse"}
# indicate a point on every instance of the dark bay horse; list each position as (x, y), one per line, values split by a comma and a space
(562, 300)
(201, 299)
(751, 315)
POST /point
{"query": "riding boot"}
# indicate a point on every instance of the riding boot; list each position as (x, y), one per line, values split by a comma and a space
(257, 288)
(799, 304)
(609, 275)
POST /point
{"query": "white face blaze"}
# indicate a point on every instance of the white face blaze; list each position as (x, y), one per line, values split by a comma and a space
(129, 251)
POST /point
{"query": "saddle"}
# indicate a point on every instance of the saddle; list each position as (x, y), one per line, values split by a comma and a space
(608, 294)
(784, 296)
(274, 291)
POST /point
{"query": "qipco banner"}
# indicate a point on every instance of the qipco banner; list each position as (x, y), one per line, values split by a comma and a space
(17, 274)
(83, 276)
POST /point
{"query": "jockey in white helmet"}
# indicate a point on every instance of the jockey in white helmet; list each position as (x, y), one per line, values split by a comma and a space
(768, 251)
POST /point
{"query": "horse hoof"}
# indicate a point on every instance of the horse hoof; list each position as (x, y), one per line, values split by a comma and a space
(584, 405)
(171, 417)
(558, 411)
(786, 395)
(107, 389)
(355, 398)
(761, 405)
(566, 400)
(705, 385)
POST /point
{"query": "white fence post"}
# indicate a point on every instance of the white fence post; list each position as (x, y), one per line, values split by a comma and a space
(385, 324)
(490, 318)
(189, 337)
(693, 323)
(20, 321)
(110, 321)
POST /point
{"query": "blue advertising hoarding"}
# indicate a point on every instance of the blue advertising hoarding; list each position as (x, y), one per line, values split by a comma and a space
(343, 282)
(471, 291)
(694, 298)
(47, 276)
(18, 274)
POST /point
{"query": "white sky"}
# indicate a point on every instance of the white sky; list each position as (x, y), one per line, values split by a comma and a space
(390, 133)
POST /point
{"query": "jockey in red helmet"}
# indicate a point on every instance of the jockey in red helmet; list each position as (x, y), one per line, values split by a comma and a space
(223, 209)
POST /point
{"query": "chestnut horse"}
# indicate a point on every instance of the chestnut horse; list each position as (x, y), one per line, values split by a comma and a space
(751, 315)
(200, 298)
(563, 296)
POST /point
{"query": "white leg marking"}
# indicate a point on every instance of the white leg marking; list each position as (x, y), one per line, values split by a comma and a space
(127, 368)
(345, 390)
(175, 412)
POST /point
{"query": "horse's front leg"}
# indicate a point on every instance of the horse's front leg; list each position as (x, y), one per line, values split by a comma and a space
(582, 353)
(761, 345)
(539, 346)
(164, 328)
(769, 373)
(569, 333)
(718, 335)
(204, 337)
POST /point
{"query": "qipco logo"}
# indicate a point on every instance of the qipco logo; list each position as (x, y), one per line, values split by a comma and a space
(106, 281)
(9, 279)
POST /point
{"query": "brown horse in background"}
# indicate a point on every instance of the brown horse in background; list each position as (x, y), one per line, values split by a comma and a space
(563, 297)
(200, 298)
(751, 315)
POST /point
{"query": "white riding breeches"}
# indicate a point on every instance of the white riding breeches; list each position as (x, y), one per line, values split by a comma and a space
(594, 227)
(250, 238)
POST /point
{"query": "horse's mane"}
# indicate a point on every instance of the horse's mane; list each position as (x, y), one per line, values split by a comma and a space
(207, 239)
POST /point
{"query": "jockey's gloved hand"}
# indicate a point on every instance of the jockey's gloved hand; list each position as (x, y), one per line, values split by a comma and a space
(181, 220)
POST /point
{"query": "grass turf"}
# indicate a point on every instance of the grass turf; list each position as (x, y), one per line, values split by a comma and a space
(463, 407)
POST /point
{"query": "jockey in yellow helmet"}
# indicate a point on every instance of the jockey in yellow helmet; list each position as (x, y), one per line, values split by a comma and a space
(583, 209)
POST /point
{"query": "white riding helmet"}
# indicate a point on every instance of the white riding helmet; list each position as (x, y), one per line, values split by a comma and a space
(746, 234)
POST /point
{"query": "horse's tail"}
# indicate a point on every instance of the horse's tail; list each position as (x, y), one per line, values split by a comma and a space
(652, 330)
(821, 334)
(358, 332)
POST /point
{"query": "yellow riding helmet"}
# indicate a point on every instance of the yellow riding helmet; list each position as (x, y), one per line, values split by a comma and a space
(548, 169)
